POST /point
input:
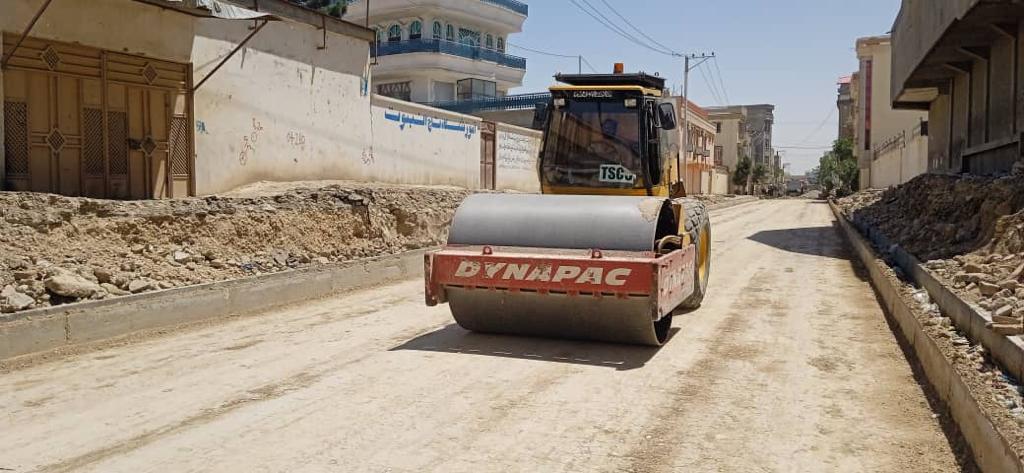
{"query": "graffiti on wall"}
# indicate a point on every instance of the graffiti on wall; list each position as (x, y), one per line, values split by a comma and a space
(516, 152)
(297, 139)
(249, 142)
(407, 121)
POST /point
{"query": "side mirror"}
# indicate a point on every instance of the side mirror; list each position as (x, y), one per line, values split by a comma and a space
(540, 115)
(667, 116)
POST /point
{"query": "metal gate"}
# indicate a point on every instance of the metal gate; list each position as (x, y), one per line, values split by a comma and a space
(488, 149)
(81, 121)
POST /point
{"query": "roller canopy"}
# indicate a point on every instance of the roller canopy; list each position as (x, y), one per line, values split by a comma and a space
(560, 221)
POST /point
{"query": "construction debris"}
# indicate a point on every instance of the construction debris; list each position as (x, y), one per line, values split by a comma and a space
(56, 250)
(968, 230)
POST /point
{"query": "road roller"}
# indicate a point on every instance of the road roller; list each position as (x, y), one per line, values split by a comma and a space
(610, 249)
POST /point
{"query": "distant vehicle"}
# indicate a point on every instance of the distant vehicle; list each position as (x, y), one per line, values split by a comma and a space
(796, 188)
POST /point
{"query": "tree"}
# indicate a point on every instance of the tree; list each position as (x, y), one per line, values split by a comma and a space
(838, 172)
(739, 177)
(760, 173)
(335, 8)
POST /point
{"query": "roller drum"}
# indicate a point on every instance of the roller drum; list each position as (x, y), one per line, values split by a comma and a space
(564, 222)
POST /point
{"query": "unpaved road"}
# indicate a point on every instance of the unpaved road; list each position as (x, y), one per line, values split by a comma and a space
(788, 367)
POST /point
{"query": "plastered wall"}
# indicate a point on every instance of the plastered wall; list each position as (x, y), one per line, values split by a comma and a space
(280, 109)
(516, 163)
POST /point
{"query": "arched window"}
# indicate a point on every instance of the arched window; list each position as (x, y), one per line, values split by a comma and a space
(450, 33)
(380, 34)
(501, 44)
(437, 30)
(490, 42)
(416, 30)
(394, 33)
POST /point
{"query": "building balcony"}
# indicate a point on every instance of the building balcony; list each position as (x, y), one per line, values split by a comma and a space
(518, 7)
(500, 16)
(451, 48)
(498, 104)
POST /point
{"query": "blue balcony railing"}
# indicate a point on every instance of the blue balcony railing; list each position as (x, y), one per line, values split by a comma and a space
(518, 7)
(448, 47)
(508, 102)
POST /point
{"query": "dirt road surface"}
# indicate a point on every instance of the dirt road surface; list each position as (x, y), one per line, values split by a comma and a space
(788, 367)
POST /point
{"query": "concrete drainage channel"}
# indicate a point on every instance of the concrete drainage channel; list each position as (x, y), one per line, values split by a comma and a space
(992, 451)
(39, 330)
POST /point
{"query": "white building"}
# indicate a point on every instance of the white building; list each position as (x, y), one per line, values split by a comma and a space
(443, 50)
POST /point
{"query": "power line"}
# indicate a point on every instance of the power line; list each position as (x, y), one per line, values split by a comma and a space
(592, 69)
(721, 81)
(546, 53)
(623, 31)
(638, 30)
(606, 23)
(821, 125)
(711, 87)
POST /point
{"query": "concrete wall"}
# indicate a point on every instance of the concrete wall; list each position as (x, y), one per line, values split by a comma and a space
(117, 25)
(720, 182)
(280, 109)
(900, 164)
(520, 118)
(414, 144)
(517, 159)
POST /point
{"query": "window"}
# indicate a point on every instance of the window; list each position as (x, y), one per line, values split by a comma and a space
(718, 127)
(396, 90)
(416, 30)
(501, 44)
(469, 37)
(450, 33)
(394, 33)
(437, 30)
(490, 42)
(476, 89)
(380, 34)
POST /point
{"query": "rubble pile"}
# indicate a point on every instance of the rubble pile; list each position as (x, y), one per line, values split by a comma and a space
(968, 230)
(715, 199)
(55, 250)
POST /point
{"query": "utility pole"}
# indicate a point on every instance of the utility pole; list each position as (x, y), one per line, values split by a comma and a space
(581, 63)
(701, 59)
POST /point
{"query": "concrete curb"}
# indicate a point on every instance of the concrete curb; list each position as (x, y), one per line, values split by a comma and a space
(740, 201)
(44, 329)
(992, 451)
(970, 319)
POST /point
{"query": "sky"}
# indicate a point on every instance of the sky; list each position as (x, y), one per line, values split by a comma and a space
(788, 53)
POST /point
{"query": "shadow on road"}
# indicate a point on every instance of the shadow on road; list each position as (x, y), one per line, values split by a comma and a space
(816, 241)
(455, 339)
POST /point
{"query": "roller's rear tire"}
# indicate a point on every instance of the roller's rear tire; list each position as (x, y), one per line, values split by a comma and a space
(698, 226)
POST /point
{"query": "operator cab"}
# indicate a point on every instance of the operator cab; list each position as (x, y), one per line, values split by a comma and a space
(607, 131)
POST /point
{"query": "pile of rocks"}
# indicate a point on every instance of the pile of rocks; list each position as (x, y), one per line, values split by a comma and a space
(991, 278)
(56, 250)
(939, 216)
(969, 231)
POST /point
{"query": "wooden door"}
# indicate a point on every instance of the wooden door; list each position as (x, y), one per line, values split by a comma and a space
(488, 145)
